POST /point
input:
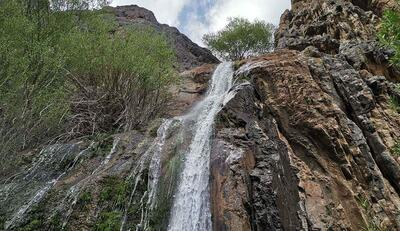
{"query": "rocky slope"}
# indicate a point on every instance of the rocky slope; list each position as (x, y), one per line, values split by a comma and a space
(189, 54)
(305, 143)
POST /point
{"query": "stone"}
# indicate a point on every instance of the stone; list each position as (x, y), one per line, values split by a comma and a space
(189, 55)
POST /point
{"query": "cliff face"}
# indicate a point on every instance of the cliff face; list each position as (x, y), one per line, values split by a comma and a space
(189, 54)
(314, 127)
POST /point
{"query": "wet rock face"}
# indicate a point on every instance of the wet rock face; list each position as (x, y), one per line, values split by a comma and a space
(189, 54)
(193, 85)
(329, 151)
(243, 161)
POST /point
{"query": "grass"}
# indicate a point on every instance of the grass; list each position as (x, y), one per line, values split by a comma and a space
(84, 199)
(396, 149)
(363, 202)
(109, 221)
(370, 224)
(394, 104)
(115, 191)
(113, 197)
(397, 87)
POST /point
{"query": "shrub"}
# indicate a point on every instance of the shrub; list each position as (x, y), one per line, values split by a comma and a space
(33, 91)
(109, 221)
(396, 149)
(241, 38)
(394, 104)
(121, 79)
(67, 72)
(115, 192)
(390, 32)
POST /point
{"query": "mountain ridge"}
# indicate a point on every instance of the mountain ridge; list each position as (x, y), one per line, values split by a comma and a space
(189, 54)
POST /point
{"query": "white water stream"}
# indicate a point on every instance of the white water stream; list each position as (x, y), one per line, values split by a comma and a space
(191, 206)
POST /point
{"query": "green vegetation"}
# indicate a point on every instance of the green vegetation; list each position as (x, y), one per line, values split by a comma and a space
(109, 221)
(32, 225)
(159, 216)
(103, 144)
(68, 71)
(241, 39)
(390, 32)
(113, 198)
(116, 191)
(84, 199)
(36, 219)
(371, 224)
(394, 104)
(396, 149)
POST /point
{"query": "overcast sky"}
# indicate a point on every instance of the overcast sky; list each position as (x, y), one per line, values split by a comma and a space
(197, 17)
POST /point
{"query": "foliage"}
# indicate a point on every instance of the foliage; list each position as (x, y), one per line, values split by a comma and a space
(371, 224)
(115, 192)
(32, 88)
(116, 88)
(390, 32)
(67, 71)
(33, 225)
(396, 149)
(160, 214)
(113, 197)
(109, 221)
(394, 104)
(85, 198)
(241, 38)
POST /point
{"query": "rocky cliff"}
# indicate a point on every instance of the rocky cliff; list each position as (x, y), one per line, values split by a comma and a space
(306, 140)
(189, 54)
(314, 126)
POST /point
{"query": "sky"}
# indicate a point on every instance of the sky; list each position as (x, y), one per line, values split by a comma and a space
(195, 18)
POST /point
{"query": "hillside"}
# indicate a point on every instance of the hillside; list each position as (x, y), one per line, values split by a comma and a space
(303, 138)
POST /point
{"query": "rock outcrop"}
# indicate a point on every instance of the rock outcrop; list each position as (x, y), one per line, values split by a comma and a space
(308, 143)
(189, 54)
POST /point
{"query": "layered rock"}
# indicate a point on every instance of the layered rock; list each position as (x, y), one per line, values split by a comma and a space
(189, 54)
(307, 145)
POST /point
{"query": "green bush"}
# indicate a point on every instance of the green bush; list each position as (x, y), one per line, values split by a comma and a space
(390, 32)
(241, 39)
(67, 72)
(85, 198)
(122, 79)
(396, 149)
(33, 91)
(394, 104)
(115, 192)
(109, 221)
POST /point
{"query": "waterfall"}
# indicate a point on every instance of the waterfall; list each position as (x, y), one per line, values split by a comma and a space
(191, 206)
(41, 175)
(154, 154)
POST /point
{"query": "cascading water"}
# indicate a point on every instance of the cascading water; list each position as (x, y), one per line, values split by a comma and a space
(40, 178)
(153, 154)
(191, 206)
(181, 149)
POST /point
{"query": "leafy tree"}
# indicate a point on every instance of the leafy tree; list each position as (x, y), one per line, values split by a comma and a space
(390, 32)
(68, 70)
(241, 38)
